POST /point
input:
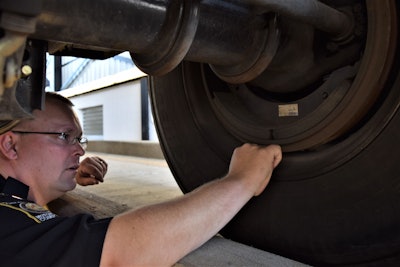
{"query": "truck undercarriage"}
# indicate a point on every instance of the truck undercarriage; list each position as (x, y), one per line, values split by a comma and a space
(320, 78)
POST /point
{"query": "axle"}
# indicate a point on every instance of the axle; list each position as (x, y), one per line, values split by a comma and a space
(238, 43)
(238, 39)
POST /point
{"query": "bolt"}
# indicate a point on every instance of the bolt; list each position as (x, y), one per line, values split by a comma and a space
(26, 70)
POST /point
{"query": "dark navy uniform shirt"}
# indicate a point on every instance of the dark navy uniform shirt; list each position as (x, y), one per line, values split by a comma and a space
(30, 235)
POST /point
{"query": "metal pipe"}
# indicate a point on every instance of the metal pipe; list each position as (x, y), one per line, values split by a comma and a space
(156, 32)
(161, 33)
(119, 25)
(321, 16)
(139, 26)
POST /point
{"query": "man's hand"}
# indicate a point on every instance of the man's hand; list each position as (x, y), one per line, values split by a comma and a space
(91, 171)
(255, 164)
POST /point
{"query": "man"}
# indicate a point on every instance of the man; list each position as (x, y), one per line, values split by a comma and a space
(39, 159)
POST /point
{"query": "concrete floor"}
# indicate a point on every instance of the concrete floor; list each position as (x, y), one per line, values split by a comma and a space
(132, 182)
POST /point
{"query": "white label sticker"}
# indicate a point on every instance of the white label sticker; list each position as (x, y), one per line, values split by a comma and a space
(290, 110)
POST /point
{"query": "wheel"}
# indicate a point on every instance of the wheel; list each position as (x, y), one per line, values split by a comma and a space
(334, 199)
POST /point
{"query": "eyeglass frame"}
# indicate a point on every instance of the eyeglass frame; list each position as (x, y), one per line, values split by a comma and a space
(81, 140)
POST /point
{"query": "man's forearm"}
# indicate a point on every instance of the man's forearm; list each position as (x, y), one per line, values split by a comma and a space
(175, 228)
(162, 234)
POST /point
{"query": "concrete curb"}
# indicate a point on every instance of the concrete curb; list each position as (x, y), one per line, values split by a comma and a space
(145, 149)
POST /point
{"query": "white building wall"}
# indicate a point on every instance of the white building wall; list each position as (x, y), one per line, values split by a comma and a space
(121, 111)
(120, 96)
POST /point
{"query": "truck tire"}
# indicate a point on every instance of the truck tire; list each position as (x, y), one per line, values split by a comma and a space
(335, 202)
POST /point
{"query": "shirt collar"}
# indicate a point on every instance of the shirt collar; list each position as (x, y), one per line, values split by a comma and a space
(11, 186)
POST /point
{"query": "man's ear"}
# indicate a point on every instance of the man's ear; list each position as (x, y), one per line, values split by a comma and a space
(7, 145)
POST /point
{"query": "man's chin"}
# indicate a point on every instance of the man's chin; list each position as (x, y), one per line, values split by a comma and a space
(69, 185)
(72, 186)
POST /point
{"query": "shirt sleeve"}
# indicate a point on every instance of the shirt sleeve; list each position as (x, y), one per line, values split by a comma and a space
(61, 241)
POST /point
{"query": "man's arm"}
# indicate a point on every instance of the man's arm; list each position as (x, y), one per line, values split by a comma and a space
(91, 171)
(162, 234)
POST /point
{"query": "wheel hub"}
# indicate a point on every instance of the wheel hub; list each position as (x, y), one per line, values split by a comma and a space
(328, 103)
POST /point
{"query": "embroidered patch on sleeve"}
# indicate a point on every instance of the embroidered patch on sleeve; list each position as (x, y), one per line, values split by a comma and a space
(32, 210)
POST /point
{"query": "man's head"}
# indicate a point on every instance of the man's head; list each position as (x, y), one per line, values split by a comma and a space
(44, 152)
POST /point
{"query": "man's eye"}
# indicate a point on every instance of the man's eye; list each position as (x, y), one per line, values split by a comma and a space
(64, 136)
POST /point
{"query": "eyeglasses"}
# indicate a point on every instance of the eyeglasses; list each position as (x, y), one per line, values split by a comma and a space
(65, 137)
